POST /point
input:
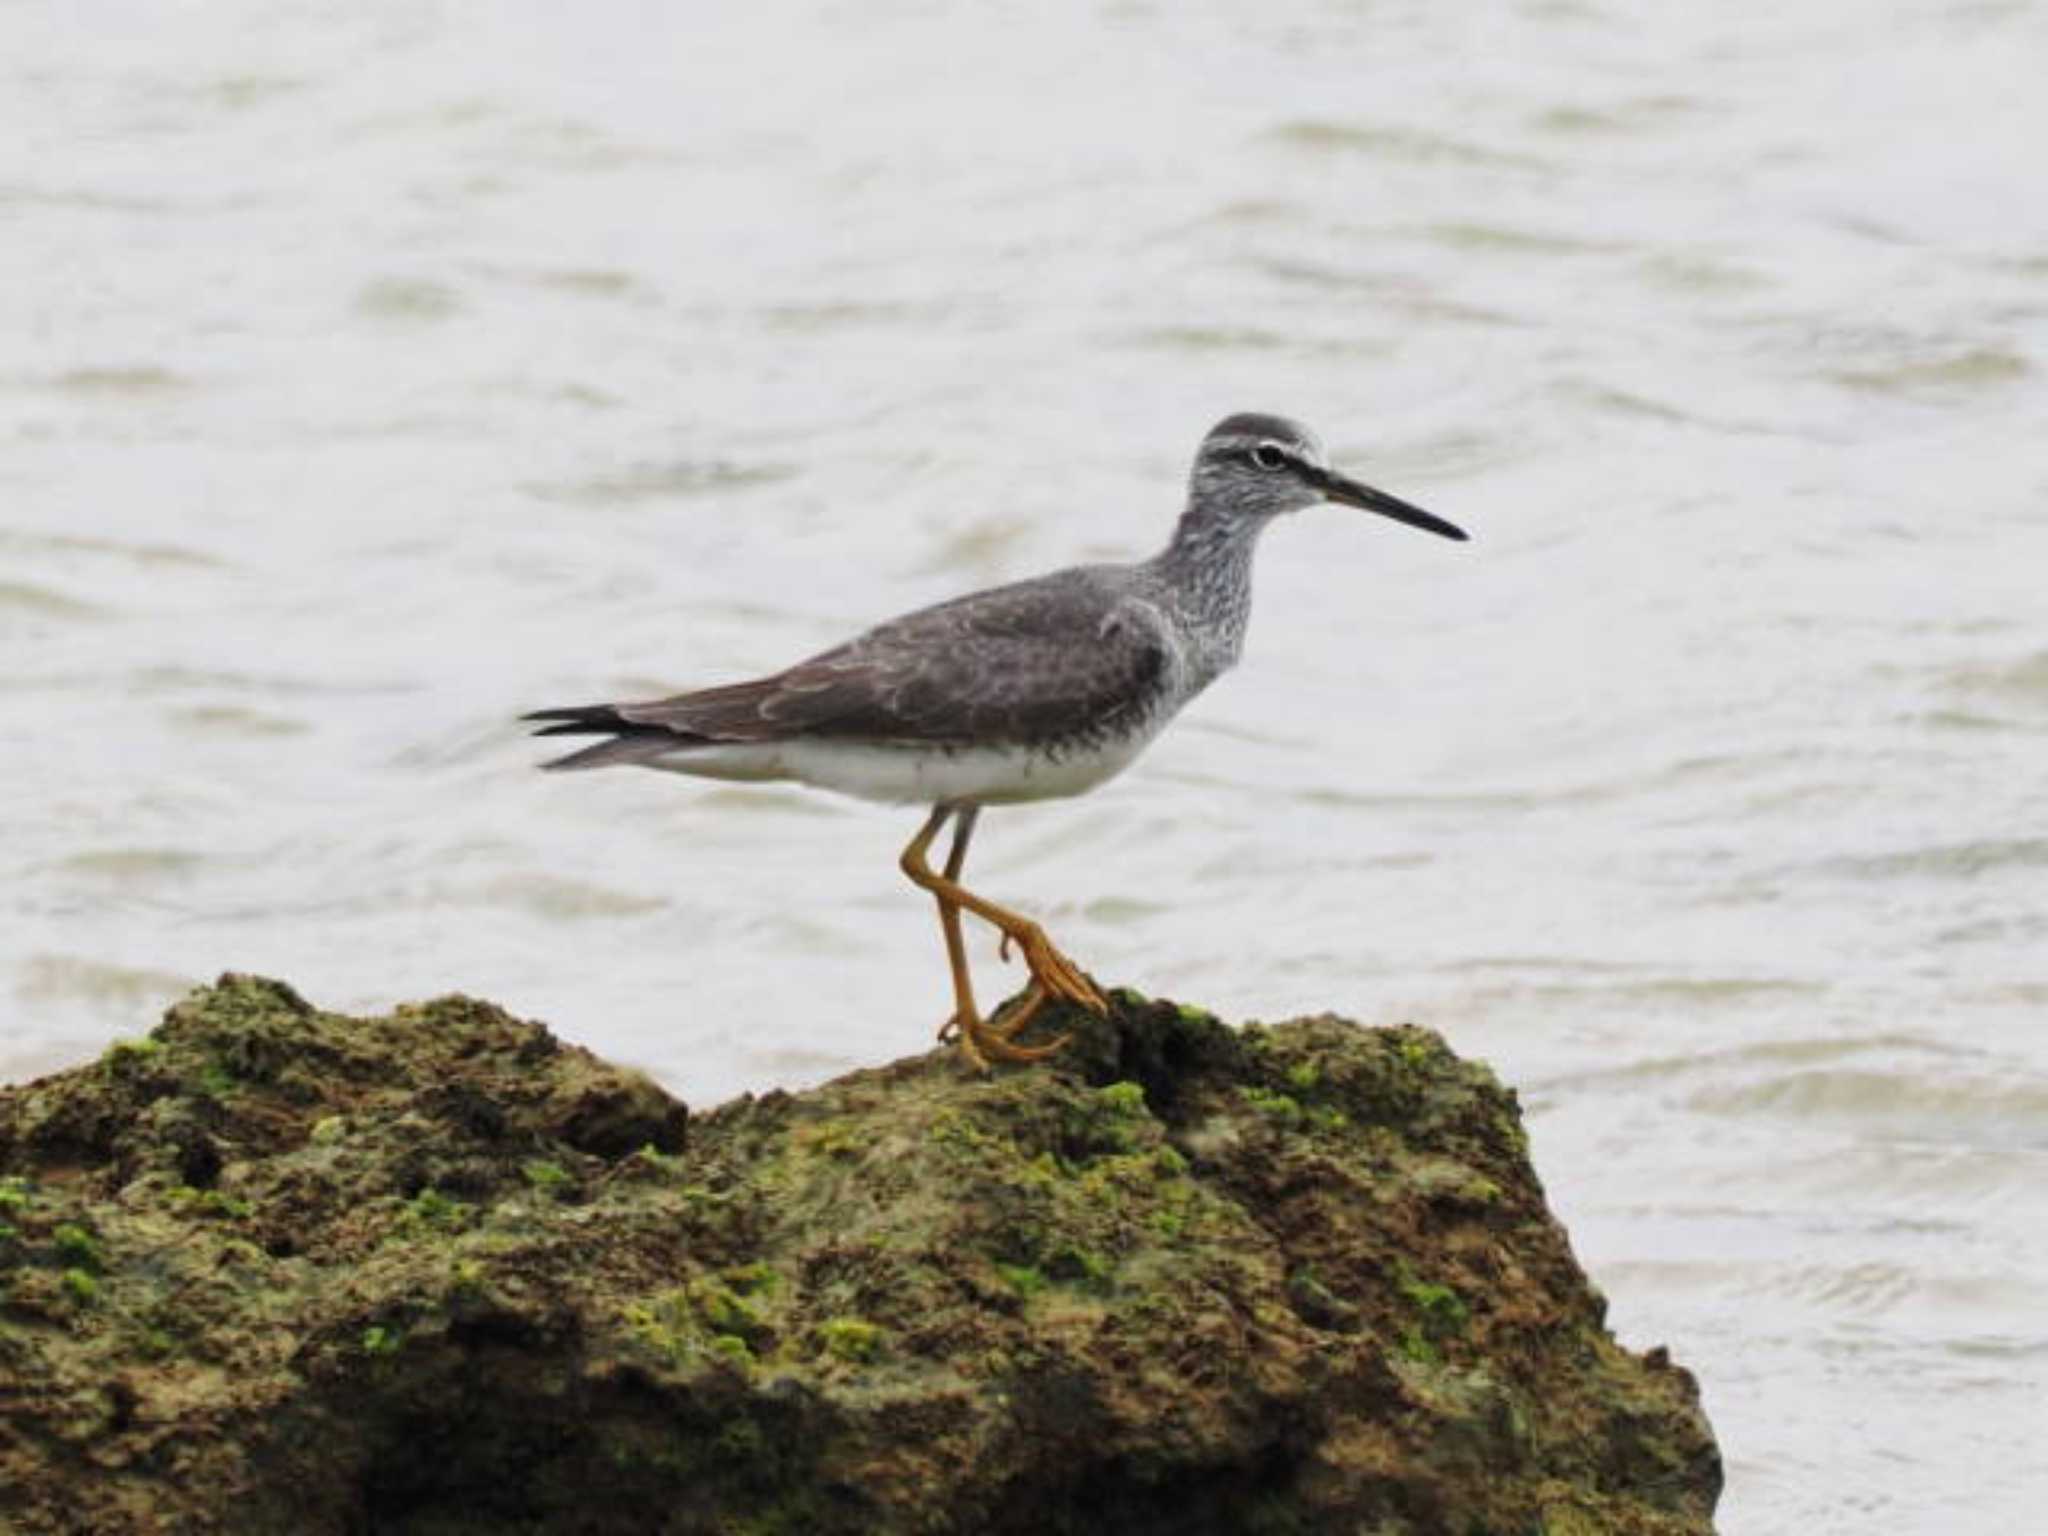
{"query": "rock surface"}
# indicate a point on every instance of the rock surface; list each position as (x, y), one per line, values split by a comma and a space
(274, 1269)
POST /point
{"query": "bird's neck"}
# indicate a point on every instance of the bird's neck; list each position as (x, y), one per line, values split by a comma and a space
(1206, 573)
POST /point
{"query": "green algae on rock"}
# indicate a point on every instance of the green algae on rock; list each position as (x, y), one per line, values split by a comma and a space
(273, 1269)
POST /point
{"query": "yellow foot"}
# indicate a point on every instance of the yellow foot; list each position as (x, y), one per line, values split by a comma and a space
(999, 1035)
(996, 1039)
(968, 1039)
(1052, 971)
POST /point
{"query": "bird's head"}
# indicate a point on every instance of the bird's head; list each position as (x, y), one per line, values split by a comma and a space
(1254, 466)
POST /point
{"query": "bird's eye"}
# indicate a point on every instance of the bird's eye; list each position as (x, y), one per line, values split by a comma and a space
(1269, 456)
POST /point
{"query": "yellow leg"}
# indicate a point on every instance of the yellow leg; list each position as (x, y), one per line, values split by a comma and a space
(965, 1024)
(1049, 968)
(1052, 974)
(1000, 1037)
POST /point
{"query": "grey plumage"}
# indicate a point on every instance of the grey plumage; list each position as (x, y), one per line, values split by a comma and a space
(1092, 659)
(1001, 666)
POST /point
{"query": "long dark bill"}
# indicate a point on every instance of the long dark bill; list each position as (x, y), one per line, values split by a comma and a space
(1340, 488)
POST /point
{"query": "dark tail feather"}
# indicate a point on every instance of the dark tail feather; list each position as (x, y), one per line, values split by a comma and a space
(626, 741)
(584, 720)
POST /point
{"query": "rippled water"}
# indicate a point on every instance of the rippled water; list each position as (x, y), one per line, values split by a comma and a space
(374, 372)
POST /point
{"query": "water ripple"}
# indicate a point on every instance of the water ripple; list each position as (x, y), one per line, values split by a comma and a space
(126, 989)
(1943, 861)
(1953, 1107)
(34, 600)
(1973, 368)
(678, 478)
(1405, 145)
(558, 898)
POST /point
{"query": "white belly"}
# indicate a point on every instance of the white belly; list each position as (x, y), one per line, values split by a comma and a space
(914, 775)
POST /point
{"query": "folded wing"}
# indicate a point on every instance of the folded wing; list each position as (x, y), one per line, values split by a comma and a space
(1053, 660)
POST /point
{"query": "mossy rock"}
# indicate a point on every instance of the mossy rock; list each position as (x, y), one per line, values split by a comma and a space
(275, 1269)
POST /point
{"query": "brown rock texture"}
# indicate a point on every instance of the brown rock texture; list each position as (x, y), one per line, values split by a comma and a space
(276, 1269)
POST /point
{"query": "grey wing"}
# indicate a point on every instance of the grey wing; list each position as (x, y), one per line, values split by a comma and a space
(1059, 658)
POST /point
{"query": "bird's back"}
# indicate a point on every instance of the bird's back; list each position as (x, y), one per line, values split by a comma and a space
(1076, 662)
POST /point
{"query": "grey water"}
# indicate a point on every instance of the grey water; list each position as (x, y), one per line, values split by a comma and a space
(375, 372)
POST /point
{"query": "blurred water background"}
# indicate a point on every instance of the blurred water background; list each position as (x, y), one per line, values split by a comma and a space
(373, 372)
